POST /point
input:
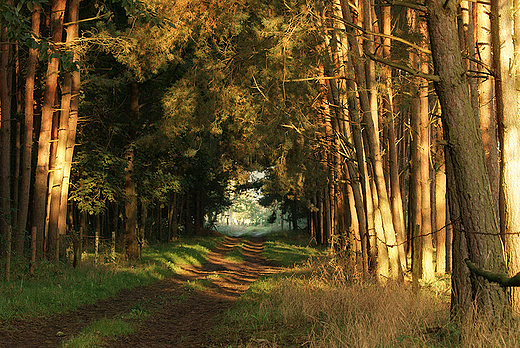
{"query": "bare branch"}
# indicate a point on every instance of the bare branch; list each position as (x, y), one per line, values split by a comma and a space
(500, 278)
(391, 37)
(411, 5)
(403, 67)
(318, 78)
(86, 19)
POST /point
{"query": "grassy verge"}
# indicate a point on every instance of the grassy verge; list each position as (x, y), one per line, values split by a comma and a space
(245, 231)
(93, 335)
(309, 305)
(289, 248)
(320, 303)
(57, 287)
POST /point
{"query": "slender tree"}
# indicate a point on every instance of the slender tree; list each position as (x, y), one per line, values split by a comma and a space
(26, 166)
(374, 154)
(428, 273)
(5, 143)
(44, 140)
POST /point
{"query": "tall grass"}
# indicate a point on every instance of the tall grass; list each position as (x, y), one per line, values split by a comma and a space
(316, 305)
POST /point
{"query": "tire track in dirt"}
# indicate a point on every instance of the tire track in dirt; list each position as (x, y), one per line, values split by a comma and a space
(188, 323)
(168, 313)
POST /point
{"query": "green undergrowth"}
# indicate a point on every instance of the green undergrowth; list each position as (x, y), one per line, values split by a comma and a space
(93, 335)
(57, 287)
(288, 248)
(235, 255)
(246, 231)
(323, 303)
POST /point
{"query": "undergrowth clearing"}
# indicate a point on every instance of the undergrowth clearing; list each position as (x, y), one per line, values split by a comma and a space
(315, 300)
(57, 287)
(323, 303)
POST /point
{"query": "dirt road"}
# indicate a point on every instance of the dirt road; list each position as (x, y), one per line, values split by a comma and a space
(175, 312)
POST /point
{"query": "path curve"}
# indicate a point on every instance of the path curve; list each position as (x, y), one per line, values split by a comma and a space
(175, 314)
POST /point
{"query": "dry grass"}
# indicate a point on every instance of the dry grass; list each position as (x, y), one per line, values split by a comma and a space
(322, 307)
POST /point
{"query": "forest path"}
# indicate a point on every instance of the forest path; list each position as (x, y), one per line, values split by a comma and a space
(175, 312)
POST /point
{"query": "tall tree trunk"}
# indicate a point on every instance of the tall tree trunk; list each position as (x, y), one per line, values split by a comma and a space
(132, 250)
(26, 172)
(58, 170)
(358, 175)
(507, 60)
(44, 141)
(114, 228)
(488, 119)
(66, 136)
(374, 154)
(388, 115)
(5, 143)
(18, 149)
(462, 134)
(51, 239)
(440, 203)
(428, 272)
(414, 191)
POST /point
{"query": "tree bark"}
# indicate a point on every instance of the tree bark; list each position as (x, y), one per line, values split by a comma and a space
(66, 136)
(388, 115)
(488, 118)
(44, 141)
(415, 192)
(374, 154)
(462, 134)
(5, 143)
(507, 60)
(358, 175)
(440, 203)
(132, 249)
(428, 272)
(26, 171)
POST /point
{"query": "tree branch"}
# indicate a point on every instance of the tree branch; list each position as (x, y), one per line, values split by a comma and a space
(403, 67)
(391, 37)
(318, 78)
(500, 278)
(411, 5)
(86, 19)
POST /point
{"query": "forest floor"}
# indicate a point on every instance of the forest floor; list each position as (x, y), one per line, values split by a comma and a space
(175, 312)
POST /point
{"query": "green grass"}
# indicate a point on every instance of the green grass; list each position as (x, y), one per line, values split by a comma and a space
(192, 251)
(235, 255)
(262, 322)
(314, 304)
(289, 248)
(57, 287)
(94, 334)
(245, 231)
(197, 284)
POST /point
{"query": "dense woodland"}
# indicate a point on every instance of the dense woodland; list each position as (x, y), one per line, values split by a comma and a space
(391, 126)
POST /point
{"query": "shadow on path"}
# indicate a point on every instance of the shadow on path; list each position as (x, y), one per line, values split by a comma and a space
(169, 313)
